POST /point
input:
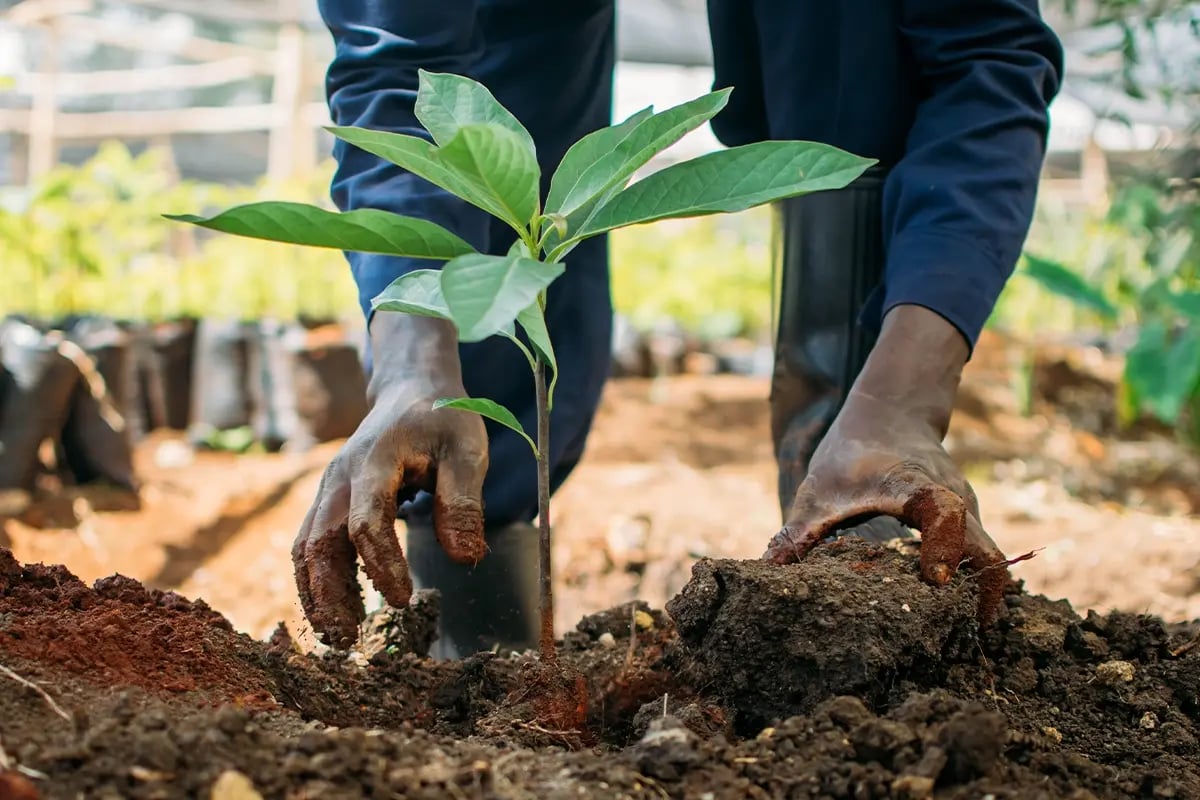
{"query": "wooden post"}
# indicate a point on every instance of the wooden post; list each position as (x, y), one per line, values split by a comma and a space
(292, 143)
(43, 141)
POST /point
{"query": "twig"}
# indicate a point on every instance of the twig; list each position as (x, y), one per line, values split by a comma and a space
(632, 636)
(991, 676)
(1026, 557)
(1185, 648)
(55, 707)
(8, 763)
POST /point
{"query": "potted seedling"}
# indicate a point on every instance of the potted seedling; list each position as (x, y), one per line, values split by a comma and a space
(481, 153)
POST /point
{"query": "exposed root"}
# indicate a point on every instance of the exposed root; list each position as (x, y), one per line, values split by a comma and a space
(1188, 647)
(28, 684)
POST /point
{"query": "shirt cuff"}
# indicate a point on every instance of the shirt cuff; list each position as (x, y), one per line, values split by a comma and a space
(949, 274)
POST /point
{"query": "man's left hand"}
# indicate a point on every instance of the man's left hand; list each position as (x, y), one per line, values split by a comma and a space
(884, 456)
(876, 462)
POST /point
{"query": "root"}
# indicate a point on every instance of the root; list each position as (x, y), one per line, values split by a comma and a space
(28, 684)
(632, 637)
(8, 763)
(1188, 647)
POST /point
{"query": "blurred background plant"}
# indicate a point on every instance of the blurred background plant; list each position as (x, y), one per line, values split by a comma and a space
(90, 239)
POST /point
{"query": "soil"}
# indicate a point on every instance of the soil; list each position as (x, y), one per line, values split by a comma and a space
(841, 677)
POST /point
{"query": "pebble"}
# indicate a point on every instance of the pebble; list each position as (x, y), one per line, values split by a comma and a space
(1148, 722)
(233, 785)
(607, 640)
(1114, 673)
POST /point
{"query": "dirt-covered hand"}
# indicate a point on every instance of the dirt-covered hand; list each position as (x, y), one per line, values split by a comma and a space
(401, 447)
(872, 463)
(884, 456)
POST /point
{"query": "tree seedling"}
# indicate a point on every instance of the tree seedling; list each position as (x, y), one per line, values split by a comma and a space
(481, 153)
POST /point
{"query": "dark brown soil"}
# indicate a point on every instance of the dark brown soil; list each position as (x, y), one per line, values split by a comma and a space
(842, 677)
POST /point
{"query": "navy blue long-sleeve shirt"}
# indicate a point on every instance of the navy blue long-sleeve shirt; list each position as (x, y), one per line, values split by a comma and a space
(951, 95)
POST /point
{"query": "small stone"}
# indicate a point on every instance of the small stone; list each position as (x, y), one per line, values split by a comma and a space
(1114, 673)
(148, 775)
(233, 785)
(607, 641)
(1148, 722)
(905, 608)
(1053, 733)
(912, 787)
(667, 750)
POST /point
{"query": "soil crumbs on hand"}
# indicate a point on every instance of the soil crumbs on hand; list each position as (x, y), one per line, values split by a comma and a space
(842, 677)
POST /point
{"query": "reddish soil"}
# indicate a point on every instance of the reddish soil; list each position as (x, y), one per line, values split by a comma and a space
(841, 677)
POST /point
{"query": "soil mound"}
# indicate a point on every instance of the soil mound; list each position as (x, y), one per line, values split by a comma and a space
(842, 677)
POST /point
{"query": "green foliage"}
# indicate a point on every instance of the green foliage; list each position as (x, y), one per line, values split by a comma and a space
(486, 408)
(712, 275)
(88, 239)
(1137, 267)
(366, 230)
(482, 154)
(1059, 280)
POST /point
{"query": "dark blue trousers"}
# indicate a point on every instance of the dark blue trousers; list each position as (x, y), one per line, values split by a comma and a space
(951, 95)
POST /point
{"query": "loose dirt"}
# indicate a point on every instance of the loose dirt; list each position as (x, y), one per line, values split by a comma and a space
(841, 677)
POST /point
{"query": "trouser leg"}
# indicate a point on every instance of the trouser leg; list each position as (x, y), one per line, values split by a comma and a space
(496, 601)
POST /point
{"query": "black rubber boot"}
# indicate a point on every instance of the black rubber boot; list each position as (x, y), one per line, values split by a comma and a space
(832, 259)
(493, 604)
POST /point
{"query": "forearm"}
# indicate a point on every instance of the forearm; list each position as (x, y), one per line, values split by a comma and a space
(958, 205)
(413, 354)
(914, 369)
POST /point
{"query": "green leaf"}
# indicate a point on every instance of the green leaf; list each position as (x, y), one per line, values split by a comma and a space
(418, 292)
(533, 321)
(1187, 304)
(1163, 372)
(583, 155)
(609, 173)
(496, 160)
(1057, 279)
(424, 160)
(446, 102)
(490, 409)
(365, 230)
(728, 181)
(486, 293)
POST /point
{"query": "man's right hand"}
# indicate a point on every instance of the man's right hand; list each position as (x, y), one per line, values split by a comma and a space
(401, 447)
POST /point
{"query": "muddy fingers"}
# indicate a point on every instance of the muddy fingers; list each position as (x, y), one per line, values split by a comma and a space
(372, 526)
(325, 567)
(940, 515)
(984, 558)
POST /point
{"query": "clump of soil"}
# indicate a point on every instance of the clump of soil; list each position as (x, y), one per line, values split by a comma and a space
(776, 641)
(751, 687)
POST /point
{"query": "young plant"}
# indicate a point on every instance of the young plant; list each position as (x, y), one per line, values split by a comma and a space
(481, 153)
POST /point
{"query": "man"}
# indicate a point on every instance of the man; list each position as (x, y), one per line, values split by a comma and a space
(885, 286)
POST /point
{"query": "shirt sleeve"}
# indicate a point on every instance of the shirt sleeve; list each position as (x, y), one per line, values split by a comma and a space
(958, 205)
(379, 46)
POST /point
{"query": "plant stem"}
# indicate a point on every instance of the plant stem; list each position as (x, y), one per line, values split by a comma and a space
(549, 655)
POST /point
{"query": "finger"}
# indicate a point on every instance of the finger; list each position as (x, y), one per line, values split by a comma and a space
(812, 518)
(328, 567)
(985, 559)
(372, 524)
(458, 504)
(300, 560)
(940, 515)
